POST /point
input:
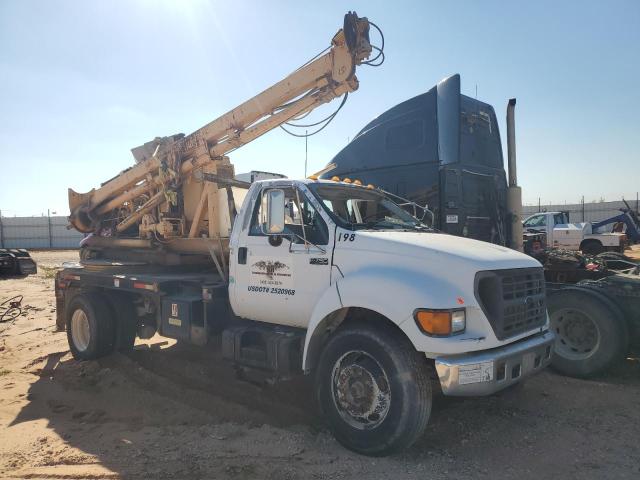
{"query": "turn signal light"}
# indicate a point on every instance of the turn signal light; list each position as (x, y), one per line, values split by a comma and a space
(440, 322)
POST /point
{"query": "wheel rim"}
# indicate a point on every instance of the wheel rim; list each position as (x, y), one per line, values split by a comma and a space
(80, 331)
(577, 334)
(360, 390)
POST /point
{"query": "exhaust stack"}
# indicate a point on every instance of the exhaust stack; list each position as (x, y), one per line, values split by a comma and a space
(514, 192)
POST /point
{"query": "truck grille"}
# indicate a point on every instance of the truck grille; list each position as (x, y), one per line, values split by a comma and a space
(513, 300)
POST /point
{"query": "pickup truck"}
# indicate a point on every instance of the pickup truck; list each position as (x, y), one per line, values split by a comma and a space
(334, 279)
(558, 232)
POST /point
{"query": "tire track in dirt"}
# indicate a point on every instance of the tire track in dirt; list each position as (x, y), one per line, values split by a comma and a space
(204, 381)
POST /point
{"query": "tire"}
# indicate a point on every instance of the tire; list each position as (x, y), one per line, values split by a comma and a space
(90, 328)
(378, 361)
(591, 333)
(591, 247)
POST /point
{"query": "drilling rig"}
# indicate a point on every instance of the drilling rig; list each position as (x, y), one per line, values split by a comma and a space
(178, 200)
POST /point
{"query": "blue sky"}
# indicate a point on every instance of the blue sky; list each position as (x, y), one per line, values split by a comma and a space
(83, 82)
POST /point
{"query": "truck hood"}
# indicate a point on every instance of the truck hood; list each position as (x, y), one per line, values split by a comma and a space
(395, 272)
(430, 245)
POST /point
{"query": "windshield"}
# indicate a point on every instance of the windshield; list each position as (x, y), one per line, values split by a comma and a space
(535, 221)
(358, 208)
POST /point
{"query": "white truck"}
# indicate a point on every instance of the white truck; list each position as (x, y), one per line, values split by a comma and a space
(558, 232)
(334, 279)
(324, 277)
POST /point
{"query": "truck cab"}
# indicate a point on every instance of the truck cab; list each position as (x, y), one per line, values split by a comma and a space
(342, 246)
(558, 232)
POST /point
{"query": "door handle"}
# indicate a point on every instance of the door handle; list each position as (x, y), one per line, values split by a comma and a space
(242, 255)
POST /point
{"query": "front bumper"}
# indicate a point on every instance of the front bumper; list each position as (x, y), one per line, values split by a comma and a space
(486, 372)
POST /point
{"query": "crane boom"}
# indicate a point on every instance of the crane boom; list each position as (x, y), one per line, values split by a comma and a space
(166, 195)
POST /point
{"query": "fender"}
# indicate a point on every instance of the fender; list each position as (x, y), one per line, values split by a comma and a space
(328, 305)
(392, 292)
(395, 291)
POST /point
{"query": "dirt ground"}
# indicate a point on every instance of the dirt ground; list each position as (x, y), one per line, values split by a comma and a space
(172, 411)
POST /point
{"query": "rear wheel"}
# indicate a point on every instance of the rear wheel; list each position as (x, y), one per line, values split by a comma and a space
(591, 333)
(591, 247)
(374, 389)
(90, 330)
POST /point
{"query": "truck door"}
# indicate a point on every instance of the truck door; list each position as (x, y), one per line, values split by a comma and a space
(279, 279)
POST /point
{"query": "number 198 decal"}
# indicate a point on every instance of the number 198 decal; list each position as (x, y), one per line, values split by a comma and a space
(346, 237)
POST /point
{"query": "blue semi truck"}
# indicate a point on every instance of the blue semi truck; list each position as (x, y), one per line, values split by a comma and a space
(441, 149)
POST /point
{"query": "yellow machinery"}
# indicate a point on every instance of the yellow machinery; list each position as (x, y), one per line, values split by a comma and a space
(177, 195)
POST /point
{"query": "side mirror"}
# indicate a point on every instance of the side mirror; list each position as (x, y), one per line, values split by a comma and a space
(425, 212)
(272, 212)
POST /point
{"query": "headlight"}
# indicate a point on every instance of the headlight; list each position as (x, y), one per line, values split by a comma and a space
(440, 322)
(458, 321)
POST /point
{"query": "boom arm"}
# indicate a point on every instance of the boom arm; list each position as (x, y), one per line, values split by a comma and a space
(165, 164)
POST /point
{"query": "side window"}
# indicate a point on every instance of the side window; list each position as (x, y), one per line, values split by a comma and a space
(559, 219)
(296, 215)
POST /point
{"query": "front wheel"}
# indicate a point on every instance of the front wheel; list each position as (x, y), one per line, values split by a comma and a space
(374, 389)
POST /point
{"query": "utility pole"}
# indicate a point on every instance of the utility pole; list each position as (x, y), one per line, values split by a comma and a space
(1, 231)
(306, 141)
(49, 227)
(583, 208)
(538, 204)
